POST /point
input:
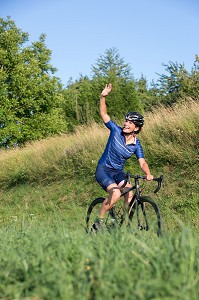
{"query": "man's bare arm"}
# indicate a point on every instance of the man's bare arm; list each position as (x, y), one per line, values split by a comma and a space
(103, 110)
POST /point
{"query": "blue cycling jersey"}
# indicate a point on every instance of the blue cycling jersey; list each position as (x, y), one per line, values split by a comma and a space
(117, 152)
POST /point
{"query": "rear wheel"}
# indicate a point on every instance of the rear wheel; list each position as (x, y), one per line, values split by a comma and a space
(113, 218)
(145, 216)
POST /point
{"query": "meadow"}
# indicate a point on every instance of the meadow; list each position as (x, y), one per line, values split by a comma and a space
(46, 188)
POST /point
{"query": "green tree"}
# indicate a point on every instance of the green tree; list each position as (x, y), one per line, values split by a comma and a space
(178, 84)
(30, 96)
(79, 104)
(192, 82)
(111, 66)
(82, 96)
(148, 96)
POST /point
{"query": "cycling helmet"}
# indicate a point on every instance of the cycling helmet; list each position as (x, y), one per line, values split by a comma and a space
(136, 118)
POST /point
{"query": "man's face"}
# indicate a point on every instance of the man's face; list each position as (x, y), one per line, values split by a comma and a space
(129, 127)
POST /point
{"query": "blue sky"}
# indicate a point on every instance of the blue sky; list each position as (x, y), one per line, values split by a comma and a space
(147, 33)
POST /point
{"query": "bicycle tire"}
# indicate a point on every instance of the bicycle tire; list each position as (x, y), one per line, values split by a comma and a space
(113, 217)
(148, 219)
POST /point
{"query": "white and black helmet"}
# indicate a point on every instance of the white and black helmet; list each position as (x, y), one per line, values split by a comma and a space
(136, 118)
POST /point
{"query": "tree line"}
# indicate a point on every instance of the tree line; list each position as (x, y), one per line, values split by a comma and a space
(34, 104)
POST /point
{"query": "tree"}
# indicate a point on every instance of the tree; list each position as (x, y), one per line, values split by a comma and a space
(192, 82)
(111, 66)
(79, 105)
(179, 84)
(30, 96)
(82, 96)
(148, 96)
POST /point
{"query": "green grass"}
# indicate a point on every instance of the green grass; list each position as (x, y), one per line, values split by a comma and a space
(46, 188)
(46, 260)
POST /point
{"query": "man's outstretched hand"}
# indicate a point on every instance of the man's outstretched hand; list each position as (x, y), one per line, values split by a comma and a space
(106, 90)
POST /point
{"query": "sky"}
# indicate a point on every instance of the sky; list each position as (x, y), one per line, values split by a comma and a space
(146, 33)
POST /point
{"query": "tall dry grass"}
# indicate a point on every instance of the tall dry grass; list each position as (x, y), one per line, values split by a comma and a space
(52, 158)
(170, 136)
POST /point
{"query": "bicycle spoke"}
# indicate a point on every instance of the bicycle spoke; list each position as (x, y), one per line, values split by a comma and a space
(112, 219)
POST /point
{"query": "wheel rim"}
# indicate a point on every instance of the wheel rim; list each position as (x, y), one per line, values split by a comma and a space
(148, 218)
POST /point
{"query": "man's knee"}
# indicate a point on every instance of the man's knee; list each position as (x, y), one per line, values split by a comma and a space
(114, 193)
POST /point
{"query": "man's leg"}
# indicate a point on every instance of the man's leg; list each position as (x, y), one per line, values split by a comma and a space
(114, 195)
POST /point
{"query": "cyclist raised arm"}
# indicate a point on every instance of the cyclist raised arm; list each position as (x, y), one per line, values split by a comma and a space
(121, 145)
(103, 111)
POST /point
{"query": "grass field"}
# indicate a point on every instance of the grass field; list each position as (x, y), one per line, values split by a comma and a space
(46, 188)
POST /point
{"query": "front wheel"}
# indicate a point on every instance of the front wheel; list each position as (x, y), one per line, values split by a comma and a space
(113, 217)
(145, 215)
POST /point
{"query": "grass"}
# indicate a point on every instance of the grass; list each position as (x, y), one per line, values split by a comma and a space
(46, 188)
(52, 159)
(48, 261)
(170, 140)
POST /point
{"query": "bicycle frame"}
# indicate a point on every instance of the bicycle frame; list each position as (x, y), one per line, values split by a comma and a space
(134, 187)
(137, 195)
(135, 198)
(144, 204)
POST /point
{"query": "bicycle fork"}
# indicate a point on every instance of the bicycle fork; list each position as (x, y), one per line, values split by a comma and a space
(140, 225)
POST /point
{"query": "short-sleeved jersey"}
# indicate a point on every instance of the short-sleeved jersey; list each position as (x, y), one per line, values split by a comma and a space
(117, 152)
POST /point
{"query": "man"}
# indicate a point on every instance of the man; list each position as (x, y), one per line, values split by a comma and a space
(121, 145)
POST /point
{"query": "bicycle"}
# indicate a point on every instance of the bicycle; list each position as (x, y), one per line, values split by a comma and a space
(142, 212)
